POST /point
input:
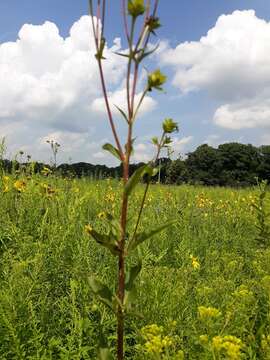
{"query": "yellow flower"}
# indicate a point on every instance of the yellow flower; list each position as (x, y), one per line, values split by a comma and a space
(20, 185)
(229, 345)
(5, 184)
(46, 171)
(48, 190)
(155, 80)
(88, 229)
(208, 312)
(195, 262)
(102, 215)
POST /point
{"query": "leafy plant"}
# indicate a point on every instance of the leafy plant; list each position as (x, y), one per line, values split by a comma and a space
(120, 240)
(263, 215)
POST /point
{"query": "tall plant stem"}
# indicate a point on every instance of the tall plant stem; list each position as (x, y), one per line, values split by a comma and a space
(119, 147)
(146, 191)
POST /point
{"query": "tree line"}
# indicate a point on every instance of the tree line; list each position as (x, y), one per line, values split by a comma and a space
(230, 164)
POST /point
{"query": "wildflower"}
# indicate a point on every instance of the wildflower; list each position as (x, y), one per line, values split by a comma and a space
(156, 342)
(48, 190)
(169, 126)
(102, 215)
(243, 293)
(20, 185)
(5, 184)
(88, 229)
(228, 345)
(153, 24)
(195, 262)
(46, 171)
(136, 8)
(155, 80)
(208, 312)
(265, 344)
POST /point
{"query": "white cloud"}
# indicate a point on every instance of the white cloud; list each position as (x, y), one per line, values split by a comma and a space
(51, 87)
(244, 114)
(179, 144)
(145, 152)
(232, 64)
(119, 98)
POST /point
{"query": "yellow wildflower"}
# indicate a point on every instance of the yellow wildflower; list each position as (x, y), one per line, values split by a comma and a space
(102, 215)
(88, 229)
(195, 262)
(46, 171)
(208, 312)
(228, 345)
(20, 185)
(48, 189)
(5, 184)
(156, 342)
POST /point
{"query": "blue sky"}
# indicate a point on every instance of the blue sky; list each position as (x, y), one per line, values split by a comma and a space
(217, 89)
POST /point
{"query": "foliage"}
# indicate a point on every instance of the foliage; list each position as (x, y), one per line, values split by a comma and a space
(204, 285)
(231, 164)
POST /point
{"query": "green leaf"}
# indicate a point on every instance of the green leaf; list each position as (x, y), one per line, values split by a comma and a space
(147, 53)
(155, 140)
(143, 236)
(99, 54)
(102, 291)
(131, 292)
(109, 241)
(136, 177)
(122, 113)
(132, 275)
(124, 55)
(112, 150)
(156, 170)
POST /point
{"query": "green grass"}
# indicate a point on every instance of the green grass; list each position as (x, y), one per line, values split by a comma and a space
(47, 310)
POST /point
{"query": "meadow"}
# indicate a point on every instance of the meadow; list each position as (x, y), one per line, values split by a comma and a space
(203, 290)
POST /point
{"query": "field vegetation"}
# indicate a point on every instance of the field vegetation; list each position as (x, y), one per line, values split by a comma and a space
(203, 289)
(120, 269)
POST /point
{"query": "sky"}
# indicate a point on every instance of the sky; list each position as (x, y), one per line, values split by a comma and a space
(215, 53)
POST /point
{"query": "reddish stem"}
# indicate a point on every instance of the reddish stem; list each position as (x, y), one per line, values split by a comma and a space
(125, 19)
(104, 90)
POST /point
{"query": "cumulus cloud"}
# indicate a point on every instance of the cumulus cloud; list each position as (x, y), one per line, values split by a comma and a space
(145, 152)
(119, 98)
(51, 86)
(232, 64)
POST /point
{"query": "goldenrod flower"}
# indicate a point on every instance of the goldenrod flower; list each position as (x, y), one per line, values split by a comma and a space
(156, 342)
(208, 312)
(228, 345)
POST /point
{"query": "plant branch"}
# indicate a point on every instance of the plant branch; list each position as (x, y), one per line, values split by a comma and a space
(146, 189)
